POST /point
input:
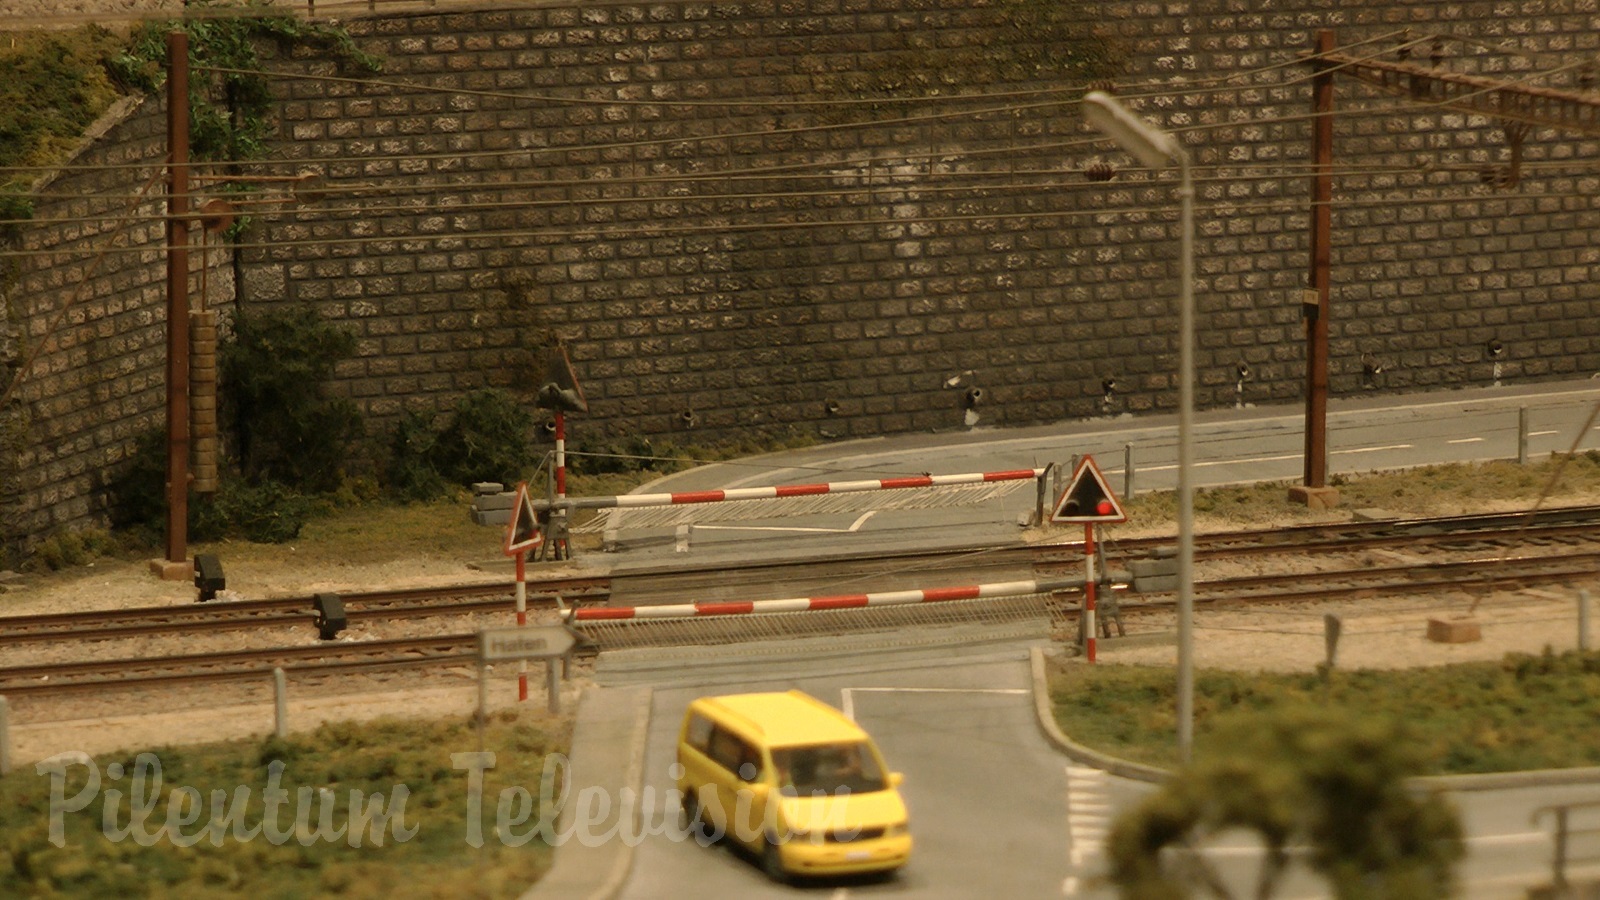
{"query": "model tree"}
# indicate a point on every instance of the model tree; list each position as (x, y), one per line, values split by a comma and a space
(1333, 785)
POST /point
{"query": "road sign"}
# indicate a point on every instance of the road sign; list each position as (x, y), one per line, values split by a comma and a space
(522, 531)
(1088, 498)
(531, 642)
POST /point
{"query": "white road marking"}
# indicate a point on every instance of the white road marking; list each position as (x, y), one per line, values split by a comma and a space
(847, 704)
(1088, 820)
(686, 532)
(1541, 433)
(1476, 440)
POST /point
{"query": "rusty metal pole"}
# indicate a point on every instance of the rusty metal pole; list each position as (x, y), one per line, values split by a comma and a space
(1315, 305)
(177, 296)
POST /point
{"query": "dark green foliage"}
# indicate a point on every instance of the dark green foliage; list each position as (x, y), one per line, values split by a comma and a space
(411, 474)
(1335, 782)
(266, 513)
(488, 438)
(138, 491)
(273, 369)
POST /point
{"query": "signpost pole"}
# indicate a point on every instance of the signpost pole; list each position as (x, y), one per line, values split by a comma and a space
(1088, 591)
(522, 621)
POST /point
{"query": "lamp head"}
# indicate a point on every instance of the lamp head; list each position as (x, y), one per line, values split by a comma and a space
(1153, 147)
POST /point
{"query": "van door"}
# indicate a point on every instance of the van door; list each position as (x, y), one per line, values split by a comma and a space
(737, 767)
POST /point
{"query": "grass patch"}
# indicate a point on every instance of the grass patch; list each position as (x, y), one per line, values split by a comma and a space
(422, 851)
(1521, 713)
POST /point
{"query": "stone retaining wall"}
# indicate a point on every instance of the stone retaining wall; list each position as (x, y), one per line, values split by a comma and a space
(734, 235)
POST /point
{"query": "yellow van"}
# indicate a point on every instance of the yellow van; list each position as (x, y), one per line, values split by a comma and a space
(789, 778)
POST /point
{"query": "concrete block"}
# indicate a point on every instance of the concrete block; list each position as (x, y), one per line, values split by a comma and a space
(167, 570)
(1314, 498)
(494, 501)
(1153, 568)
(491, 516)
(1460, 631)
(1156, 584)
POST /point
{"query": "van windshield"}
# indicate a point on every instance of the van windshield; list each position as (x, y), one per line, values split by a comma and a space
(827, 769)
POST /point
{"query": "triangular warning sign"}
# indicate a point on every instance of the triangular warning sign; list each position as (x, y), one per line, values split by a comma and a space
(522, 532)
(1088, 498)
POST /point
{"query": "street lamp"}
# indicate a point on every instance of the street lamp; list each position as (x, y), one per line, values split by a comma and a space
(1158, 149)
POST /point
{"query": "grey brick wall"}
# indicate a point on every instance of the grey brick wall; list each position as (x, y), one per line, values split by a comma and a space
(657, 186)
(734, 259)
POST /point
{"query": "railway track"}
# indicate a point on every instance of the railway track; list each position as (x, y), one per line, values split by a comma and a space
(1478, 554)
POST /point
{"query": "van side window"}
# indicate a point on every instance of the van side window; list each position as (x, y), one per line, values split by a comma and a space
(699, 732)
(730, 751)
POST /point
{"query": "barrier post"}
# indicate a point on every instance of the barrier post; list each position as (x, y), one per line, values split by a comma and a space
(1127, 471)
(522, 620)
(1522, 435)
(1088, 592)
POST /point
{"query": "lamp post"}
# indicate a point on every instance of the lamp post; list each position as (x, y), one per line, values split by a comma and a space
(1158, 149)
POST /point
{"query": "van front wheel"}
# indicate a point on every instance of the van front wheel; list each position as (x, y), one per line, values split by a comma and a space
(772, 861)
(692, 823)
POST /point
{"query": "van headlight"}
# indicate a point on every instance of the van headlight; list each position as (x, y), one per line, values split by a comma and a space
(899, 829)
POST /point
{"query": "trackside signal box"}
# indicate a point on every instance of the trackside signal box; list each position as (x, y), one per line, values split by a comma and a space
(1088, 499)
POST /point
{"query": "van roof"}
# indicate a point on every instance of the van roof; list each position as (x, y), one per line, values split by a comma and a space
(791, 718)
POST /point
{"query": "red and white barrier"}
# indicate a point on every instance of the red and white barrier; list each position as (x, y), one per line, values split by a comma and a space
(633, 501)
(812, 604)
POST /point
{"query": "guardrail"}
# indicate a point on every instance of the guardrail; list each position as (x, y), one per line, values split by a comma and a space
(1564, 836)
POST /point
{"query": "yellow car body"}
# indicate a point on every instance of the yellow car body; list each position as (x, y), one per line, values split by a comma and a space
(794, 781)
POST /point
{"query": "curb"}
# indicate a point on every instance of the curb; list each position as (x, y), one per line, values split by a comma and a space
(610, 722)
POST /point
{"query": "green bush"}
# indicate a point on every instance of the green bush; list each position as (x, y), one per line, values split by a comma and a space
(266, 513)
(411, 474)
(488, 438)
(273, 368)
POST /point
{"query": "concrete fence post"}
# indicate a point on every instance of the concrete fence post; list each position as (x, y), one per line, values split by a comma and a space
(280, 703)
(1522, 435)
(1127, 471)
